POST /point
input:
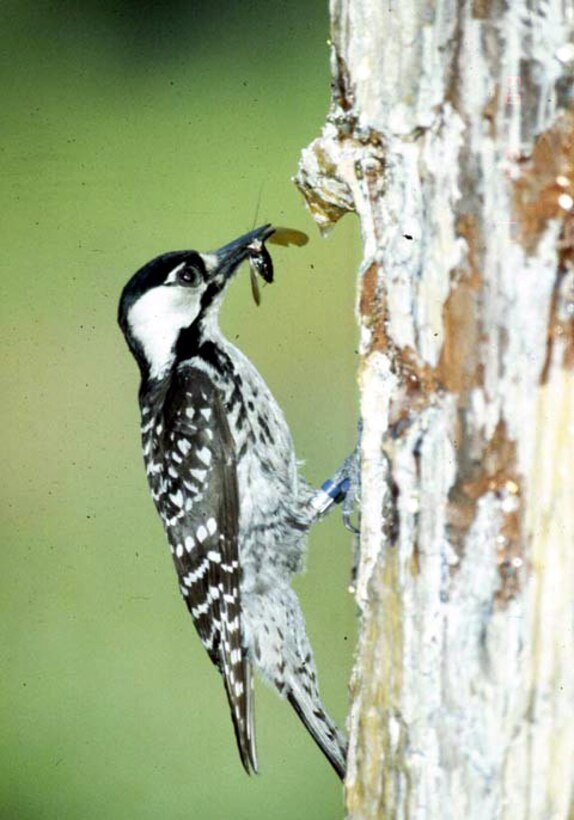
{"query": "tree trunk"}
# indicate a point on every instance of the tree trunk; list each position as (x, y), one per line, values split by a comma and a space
(451, 135)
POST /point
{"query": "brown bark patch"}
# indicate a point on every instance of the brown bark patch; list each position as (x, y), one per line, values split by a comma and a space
(341, 87)
(418, 385)
(459, 368)
(480, 9)
(373, 307)
(561, 319)
(491, 471)
(545, 191)
(545, 188)
(419, 380)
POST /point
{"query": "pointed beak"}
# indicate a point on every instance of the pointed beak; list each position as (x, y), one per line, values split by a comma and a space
(231, 255)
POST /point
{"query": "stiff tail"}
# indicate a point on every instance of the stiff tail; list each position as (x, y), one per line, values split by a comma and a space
(243, 716)
(321, 728)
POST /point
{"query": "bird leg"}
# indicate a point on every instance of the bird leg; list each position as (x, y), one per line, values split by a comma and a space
(344, 487)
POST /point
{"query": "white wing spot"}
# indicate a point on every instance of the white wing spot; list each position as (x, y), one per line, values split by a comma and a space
(206, 413)
(233, 625)
(199, 475)
(177, 498)
(214, 557)
(179, 550)
(198, 573)
(189, 543)
(184, 446)
(211, 526)
(190, 579)
(201, 534)
(204, 455)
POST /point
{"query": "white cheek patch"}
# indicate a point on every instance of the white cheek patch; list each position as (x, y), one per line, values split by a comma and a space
(156, 319)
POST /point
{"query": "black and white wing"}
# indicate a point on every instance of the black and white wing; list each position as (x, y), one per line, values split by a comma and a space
(199, 505)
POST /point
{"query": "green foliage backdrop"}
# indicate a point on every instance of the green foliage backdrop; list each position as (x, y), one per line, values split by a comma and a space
(128, 130)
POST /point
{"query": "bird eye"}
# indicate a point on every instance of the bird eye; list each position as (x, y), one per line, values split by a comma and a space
(189, 275)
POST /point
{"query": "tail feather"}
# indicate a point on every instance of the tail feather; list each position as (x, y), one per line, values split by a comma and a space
(276, 641)
(243, 716)
(250, 715)
(322, 729)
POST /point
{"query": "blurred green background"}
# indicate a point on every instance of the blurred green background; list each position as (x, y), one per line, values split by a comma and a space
(127, 130)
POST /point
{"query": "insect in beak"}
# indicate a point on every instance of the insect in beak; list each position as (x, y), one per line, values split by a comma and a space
(260, 262)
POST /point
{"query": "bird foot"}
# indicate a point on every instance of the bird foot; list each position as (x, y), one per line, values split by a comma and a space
(344, 487)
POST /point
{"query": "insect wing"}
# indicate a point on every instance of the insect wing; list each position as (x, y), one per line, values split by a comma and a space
(255, 292)
(288, 236)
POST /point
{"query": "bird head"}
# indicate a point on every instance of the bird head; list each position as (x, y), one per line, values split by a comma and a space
(176, 295)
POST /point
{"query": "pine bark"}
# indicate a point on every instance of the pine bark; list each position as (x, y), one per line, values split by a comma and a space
(451, 136)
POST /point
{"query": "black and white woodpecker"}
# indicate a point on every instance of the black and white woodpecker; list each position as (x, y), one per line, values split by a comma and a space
(223, 475)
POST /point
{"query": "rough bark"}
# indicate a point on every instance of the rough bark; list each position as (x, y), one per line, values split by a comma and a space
(451, 135)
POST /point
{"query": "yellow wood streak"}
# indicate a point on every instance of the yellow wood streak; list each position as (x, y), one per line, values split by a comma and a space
(550, 523)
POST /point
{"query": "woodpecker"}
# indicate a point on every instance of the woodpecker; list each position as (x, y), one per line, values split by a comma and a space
(224, 477)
